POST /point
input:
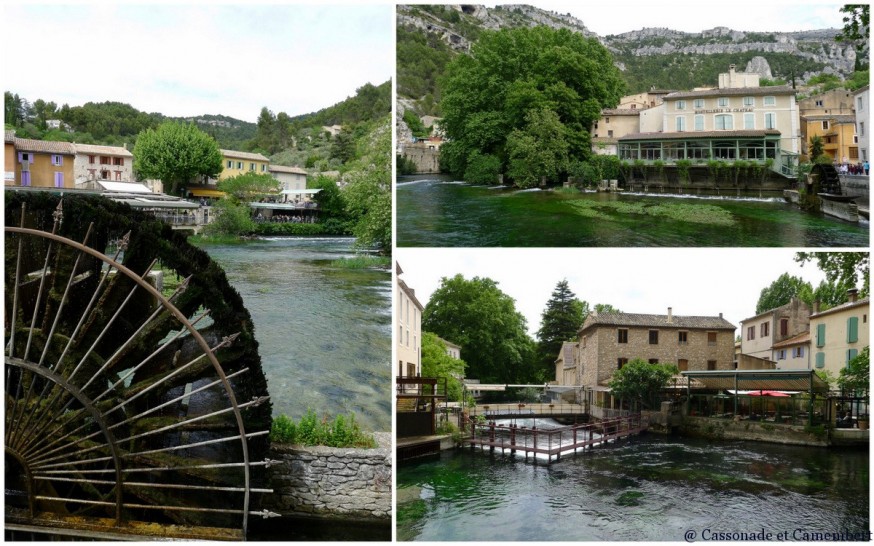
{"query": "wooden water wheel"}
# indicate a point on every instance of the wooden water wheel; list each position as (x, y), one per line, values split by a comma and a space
(130, 411)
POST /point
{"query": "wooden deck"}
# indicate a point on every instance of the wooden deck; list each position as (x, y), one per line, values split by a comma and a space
(553, 442)
(498, 411)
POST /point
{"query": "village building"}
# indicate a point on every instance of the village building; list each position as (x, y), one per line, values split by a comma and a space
(408, 318)
(839, 334)
(102, 163)
(625, 119)
(739, 120)
(760, 333)
(38, 163)
(293, 181)
(792, 353)
(835, 102)
(838, 134)
(863, 117)
(608, 341)
(452, 349)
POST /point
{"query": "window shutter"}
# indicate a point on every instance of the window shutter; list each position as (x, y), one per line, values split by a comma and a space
(820, 360)
(820, 335)
(851, 354)
(852, 329)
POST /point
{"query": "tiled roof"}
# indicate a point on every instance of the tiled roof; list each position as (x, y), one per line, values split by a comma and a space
(839, 118)
(106, 150)
(243, 155)
(567, 352)
(702, 134)
(803, 337)
(656, 321)
(842, 307)
(284, 169)
(620, 112)
(732, 92)
(44, 146)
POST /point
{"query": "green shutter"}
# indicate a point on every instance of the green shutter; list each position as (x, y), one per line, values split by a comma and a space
(820, 335)
(820, 360)
(852, 329)
(851, 354)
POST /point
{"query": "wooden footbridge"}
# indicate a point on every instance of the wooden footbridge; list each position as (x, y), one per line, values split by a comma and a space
(552, 442)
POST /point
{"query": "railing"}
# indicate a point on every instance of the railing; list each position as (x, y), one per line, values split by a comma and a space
(552, 442)
(607, 413)
(494, 410)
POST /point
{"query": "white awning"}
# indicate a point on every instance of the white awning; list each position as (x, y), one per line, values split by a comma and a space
(127, 187)
(300, 192)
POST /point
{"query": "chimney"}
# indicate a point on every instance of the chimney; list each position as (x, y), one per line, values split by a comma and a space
(852, 293)
(720, 315)
(670, 315)
(731, 68)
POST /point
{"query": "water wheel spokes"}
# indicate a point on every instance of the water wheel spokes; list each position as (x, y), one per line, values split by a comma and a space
(119, 410)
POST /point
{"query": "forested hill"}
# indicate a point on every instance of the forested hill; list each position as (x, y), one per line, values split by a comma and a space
(118, 124)
(429, 36)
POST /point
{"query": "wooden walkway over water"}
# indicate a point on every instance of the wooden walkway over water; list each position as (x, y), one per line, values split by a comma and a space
(552, 442)
(504, 411)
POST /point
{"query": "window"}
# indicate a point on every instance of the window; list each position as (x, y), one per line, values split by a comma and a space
(819, 360)
(859, 108)
(606, 120)
(230, 164)
(681, 123)
(408, 339)
(749, 121)
(681, 105)
(798, 352)
(251, 166)
(819, 102)
(825, 125)
(820, 335)
(861, 128)
(105, 160)
(852, 329)
(711, 338)
(683, 365)
(781, 354)
(723, 122)
(770, 120)
(851, 354)
(770, 101)
(621, 362)
(118, 175)
(784, 326)
(682, 338)
(765, 329)
(264, 168)
(653, 337)
(24, 157)
(623, 336)
(411, 369)
(749, 101)
(751, 333)
(104, 175)
(610, 133)
(91, 159)
(118, 161)
(711, 364)
(240, 165)
(722, 101)
(699, 103)
(699, 122)
(57, 160)
(653, 360)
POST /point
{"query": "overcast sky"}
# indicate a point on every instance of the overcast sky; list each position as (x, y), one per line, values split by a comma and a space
(699, 282)
(193, 59)
(767, 15)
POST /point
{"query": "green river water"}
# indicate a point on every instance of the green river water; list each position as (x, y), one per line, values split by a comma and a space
(324, 332)
(435, 211)
(648, 488)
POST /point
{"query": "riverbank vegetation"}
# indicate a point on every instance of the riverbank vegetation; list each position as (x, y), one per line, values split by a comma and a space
(342, 431)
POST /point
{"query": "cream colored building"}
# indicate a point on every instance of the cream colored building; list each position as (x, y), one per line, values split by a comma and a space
(792, 353)
(839, 334)
(613, 124)
(408, 321)
(863, 121)
(236, 163)
(837, 102)
(761, 332)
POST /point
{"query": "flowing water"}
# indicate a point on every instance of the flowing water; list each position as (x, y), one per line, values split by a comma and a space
(324, 332)
(644, 488)
(437, 211)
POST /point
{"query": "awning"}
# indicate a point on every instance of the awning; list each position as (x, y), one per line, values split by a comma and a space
(143, 203)
(300, 192)
(769, 380)
(202, 192)
(127, 187)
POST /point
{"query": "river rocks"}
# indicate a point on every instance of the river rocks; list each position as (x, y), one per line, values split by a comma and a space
(333, 483)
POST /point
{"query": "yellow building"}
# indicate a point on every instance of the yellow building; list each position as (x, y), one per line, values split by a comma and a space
(40, 163)
(838, 133)
(9, 158)
(235, 163)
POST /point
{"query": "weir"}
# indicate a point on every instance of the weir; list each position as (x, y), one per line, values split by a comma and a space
(552, 442)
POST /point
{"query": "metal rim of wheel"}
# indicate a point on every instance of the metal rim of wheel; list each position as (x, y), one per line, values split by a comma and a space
(85, 436)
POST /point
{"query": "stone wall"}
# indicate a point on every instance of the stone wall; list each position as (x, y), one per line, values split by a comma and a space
(857, 186)
(332, 483)
(426, 159)
(726, 429)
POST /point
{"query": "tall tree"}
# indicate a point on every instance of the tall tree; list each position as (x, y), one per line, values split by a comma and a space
(559, 322)
(641, 383)
(539, 151)
(841, 268)
(176, 153)
(782, 290)
(245, 188)
(437, 363)
(509, 73)
(368, 195)
(483, 320)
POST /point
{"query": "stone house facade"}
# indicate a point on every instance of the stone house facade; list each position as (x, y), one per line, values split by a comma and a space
(606, 342)
(94, 162)
(760, 333)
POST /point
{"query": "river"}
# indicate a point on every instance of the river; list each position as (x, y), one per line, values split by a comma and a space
(647, 488)
(324, 332)
(437, 211)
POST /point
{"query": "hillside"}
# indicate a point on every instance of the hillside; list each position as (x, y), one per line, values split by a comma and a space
(429, 36)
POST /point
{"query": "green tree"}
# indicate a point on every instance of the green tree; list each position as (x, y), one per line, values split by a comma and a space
(231, 218)
(539, 151)
(817, 148)
(641, 383)
(830, 294)
(343, 147)
(436, 363)
(484, 321)
(559, 322)
(176, 153)
(330, 199)
(856, 376)
(488, 94)
(782, 290)
(856, 21)
(247, 187)
(368, 195)
(841, 268)
(482, 168)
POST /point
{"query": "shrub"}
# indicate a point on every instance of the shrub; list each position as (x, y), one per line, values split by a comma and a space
(482, 169)
(311, 431)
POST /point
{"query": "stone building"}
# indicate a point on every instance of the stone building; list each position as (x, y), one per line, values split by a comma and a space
(760, 333)
(94, 162)
(608, 341)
